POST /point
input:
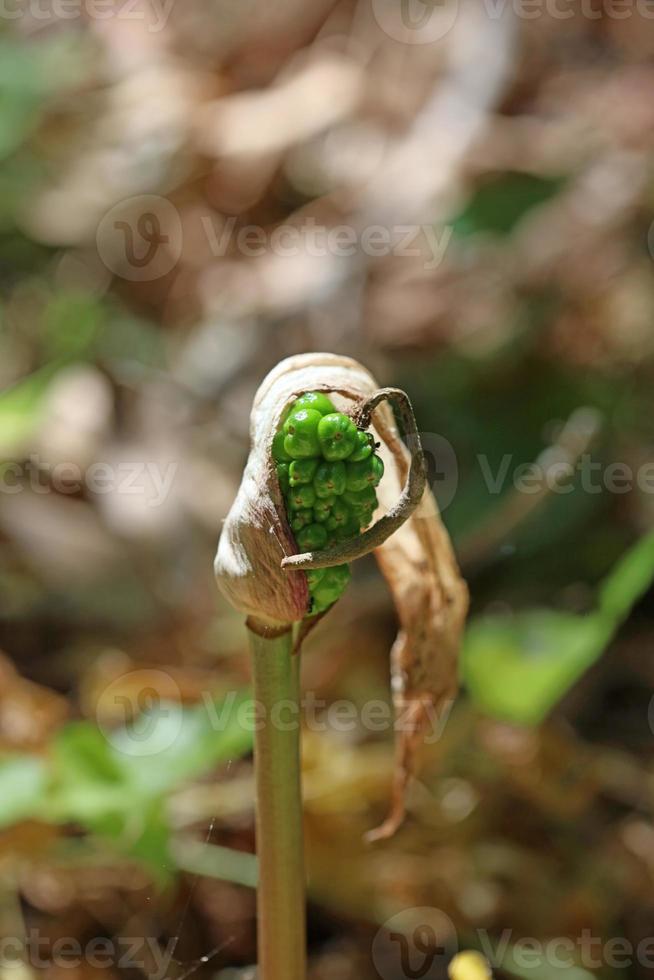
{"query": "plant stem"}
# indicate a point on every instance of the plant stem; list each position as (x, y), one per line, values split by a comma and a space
(281, 912)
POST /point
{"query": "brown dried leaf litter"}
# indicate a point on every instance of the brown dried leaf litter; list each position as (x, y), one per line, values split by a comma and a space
(417, 561)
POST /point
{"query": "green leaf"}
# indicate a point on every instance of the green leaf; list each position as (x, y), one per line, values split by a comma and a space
(81, 752)
(88, 782)
(22, 94)
(20, 409)
(498, 205)
(142, 833)
(23, 784)
(173, 744)
(629, 581)
(127, 340)
(517, 668)
(116, 771)
(115, 782)
(30, 74)
(72, 319)
(214, 861)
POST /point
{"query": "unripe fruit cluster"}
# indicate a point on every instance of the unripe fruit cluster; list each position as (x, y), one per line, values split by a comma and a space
(327, 471)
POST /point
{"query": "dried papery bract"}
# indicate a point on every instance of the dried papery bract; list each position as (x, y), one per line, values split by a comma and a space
(258, 571)
(256, 536)
(431, 599)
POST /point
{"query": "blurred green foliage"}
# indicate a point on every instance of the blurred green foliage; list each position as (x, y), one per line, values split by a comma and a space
(20, 409)
(115, 784)
(34, 74)
(518, 667)
(497, 205)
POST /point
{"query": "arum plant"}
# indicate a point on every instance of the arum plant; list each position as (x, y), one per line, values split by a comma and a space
(326, 459)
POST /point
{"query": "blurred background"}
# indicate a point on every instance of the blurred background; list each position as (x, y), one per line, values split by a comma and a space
(460, 195)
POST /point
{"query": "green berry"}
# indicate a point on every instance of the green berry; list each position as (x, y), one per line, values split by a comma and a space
(349, 529)
(279, 454)
(340, 516)
(301, 432)
(337, 435)
(364, 446)
(323, 508)
(282, 476)
(358, 500)
(312, 538)
(357, 475)
(366, 473)
(377, 470)
(315, 400)
(329, 479)
(301, 518)
(302, 471)
(301, 497)
(362, 504)
(364, 518)
(327, 499)
(330, 587)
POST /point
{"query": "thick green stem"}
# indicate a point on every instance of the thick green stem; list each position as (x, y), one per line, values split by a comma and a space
(281, 913)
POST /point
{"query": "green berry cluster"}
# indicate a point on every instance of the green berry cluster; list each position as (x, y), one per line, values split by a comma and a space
(327, 471)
